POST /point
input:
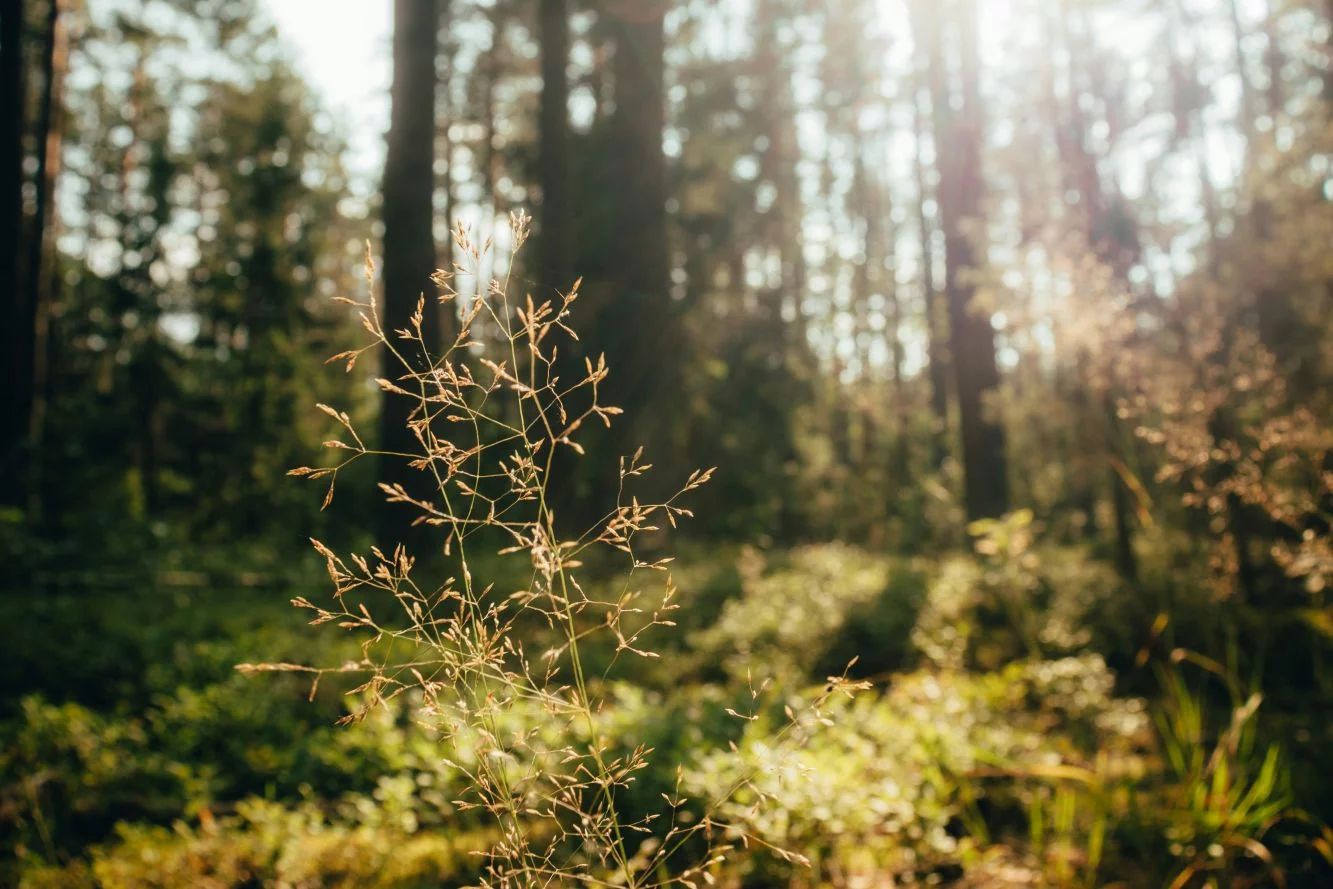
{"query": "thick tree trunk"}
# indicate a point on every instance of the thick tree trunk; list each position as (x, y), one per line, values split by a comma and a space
(553, 172)
(626, 313)
(17, 342)
(42, 279)
(409, 242)
(52, 71)
(972, 339)
(642, 341)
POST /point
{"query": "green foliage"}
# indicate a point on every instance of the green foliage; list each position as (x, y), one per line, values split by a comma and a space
(265, 843)
(812, 609)
(1018, 598)
(1205, 807)
(892, 787)
(199, 774)
(204, 226)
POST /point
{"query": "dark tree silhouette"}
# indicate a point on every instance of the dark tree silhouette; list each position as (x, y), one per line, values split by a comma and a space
(958, 137)
(17, 343)
(409, 244)
(553, 173)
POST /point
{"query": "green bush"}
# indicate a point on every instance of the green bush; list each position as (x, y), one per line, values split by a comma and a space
(811, 611)
(891, 784)
(268, 844)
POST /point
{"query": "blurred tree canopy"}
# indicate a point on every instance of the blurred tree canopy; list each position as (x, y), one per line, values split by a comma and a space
(893, 266)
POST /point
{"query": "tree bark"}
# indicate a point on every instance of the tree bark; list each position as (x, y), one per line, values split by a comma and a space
(17, 343)
(446, 56)
(554, 269)
(641, 340)
(42, 280)
(409, 242)
(972, 339)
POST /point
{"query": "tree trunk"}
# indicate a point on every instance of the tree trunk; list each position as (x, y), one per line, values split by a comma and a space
(902, 454)
(491, 66)
(641, 340)
(626, 312)
(447, 56)
(779, 167)
(17, 342)
(42, 279)
(554, 269)
(972, 339)
(937, 367)
(409, 242)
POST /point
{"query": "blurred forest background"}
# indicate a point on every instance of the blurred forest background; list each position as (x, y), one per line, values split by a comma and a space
(1007, 323)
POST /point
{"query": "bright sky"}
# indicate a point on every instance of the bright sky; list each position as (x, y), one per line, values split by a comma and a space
(343, 49)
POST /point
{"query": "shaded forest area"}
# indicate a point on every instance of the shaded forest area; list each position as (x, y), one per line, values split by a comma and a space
(981, 349)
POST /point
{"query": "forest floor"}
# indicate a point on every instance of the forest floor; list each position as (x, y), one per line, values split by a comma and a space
(1039, 746)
